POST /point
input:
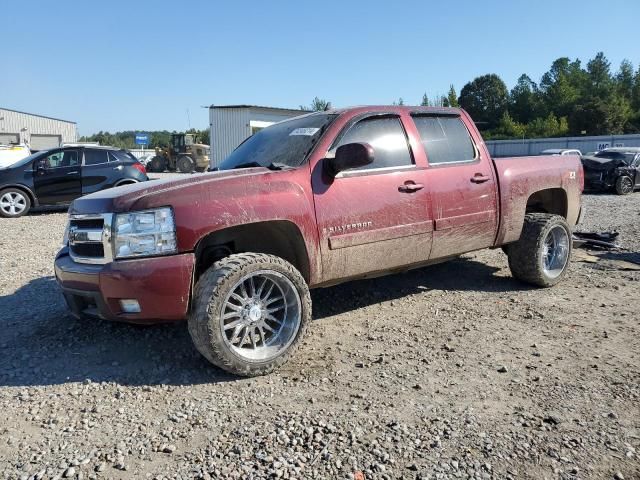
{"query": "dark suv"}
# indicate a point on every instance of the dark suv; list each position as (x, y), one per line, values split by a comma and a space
(60, 175)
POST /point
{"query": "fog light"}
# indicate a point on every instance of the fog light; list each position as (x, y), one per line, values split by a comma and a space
(130, 306)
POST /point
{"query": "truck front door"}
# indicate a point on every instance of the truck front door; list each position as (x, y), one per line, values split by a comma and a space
(375, 218)
(462, 185)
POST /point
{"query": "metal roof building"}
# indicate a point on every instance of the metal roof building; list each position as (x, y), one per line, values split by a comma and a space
(38, 131)
(231, 124)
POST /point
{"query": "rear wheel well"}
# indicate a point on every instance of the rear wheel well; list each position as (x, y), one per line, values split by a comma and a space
(125, 181)
(551, 200)
(280, 238)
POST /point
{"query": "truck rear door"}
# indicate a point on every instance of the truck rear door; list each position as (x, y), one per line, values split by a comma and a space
(375, 218)
(461, 182)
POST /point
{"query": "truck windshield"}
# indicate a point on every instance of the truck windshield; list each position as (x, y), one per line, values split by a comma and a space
(284, 144)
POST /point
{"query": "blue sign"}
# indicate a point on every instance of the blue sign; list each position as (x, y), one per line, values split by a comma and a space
(142, 138)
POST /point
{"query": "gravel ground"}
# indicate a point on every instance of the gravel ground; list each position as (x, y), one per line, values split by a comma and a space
(452, 371)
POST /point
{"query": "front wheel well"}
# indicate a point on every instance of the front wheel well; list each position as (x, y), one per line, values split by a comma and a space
(281, 238)
(22, 188)
(551, 200)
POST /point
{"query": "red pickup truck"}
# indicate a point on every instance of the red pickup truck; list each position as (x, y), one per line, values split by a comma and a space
(309, 202)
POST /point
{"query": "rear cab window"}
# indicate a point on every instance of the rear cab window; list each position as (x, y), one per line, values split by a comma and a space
(445, 139)
(387, 137)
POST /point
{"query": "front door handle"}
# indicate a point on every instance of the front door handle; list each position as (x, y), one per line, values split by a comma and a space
(72, 173)
(480, 178)
(410, 186)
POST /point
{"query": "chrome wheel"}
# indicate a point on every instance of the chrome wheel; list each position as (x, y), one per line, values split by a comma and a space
(626, 185)
(555, 251)
(13, 203)
(261, 315)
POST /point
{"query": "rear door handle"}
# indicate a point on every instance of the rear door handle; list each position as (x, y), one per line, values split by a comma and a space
(480, 178)
(119, 167)
(410, 186)
(72, 173)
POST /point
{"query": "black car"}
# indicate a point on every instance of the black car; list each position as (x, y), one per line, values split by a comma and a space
(616, 169)
(60, 175)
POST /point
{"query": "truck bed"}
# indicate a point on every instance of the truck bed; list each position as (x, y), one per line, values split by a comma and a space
(559, 175)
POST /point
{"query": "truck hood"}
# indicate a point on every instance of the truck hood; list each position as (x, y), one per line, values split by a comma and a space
(601, 164)
(158, 193)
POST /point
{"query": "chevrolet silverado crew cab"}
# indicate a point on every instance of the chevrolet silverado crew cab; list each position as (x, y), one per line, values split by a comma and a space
(309, 202)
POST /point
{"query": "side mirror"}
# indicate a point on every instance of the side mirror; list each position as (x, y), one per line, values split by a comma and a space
(350, 155)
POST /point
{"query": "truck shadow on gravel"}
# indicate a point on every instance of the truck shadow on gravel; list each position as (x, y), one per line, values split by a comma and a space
(461, 274)
(43, 345)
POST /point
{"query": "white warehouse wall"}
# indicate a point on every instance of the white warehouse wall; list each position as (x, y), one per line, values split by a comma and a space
(24, 125)
(231, 125)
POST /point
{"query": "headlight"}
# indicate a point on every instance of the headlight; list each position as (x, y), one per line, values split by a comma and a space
(151, 232)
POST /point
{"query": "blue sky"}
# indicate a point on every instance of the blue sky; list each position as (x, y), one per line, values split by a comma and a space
(141, 65)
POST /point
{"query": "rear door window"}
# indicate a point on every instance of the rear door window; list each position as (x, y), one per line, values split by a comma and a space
(386, 136)
(95, 157)
(445, 139)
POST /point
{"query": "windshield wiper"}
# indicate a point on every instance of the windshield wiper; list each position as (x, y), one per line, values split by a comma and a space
(271, 166)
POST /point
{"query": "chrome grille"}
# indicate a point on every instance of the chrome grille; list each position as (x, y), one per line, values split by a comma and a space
(90, 238)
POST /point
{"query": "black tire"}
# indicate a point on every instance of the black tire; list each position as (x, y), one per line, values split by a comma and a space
(186, 164)
(527, 255)
(210, 301)
(624, 185)
(14, 203)
(157, 164)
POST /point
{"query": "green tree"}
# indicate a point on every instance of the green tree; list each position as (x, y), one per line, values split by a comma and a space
(625, 80)
(551, 126)
(317, 105)
(400, 102)
(451, 98)
(562, 86)
(507, 128)
(599, 75)
(486, 99)
(425, 100)
(635, 93)
(599, 116)
(523, 100)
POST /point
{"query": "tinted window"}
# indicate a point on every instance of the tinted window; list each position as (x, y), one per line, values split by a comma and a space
(121, 156)
(386, 136)
(61, 158)
(94, 157)
(445, 139)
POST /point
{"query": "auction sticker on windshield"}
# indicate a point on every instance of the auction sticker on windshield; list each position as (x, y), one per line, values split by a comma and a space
(304, 131)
